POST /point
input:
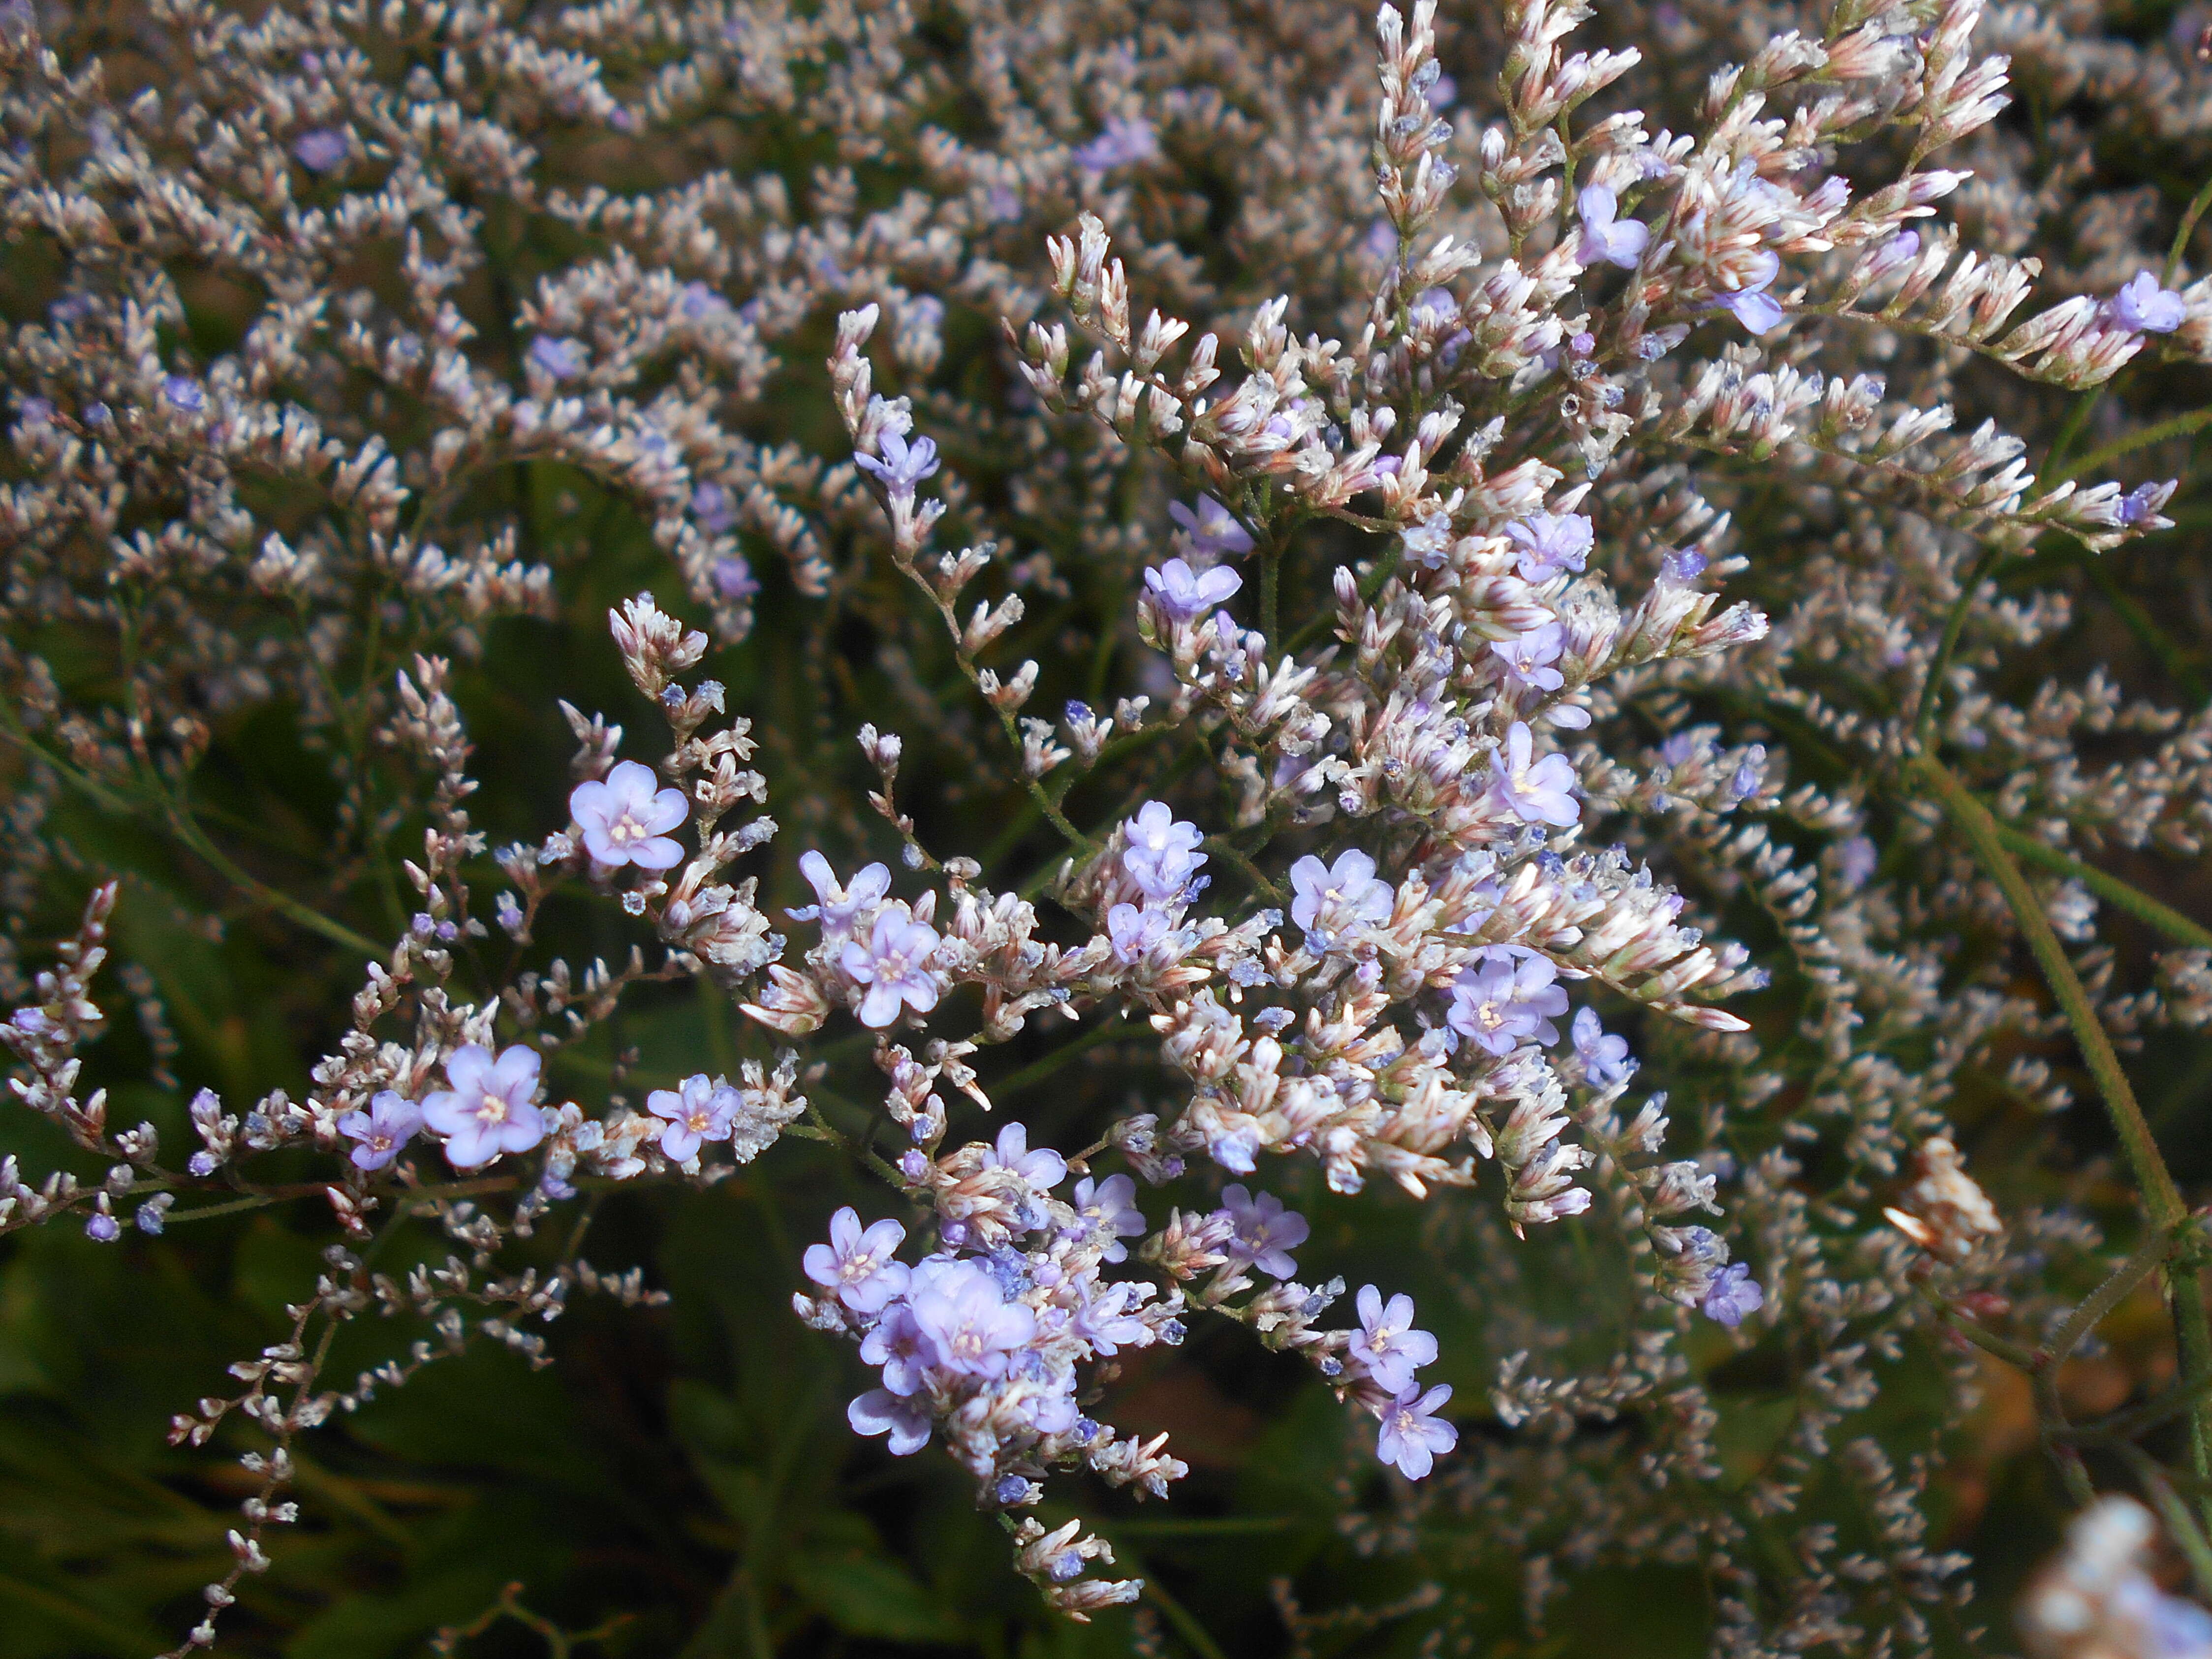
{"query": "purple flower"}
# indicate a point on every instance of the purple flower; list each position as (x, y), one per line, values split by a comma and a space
(906, 1421)
(1108, 1206)
(1541, 793)
(101, 1228)
(1733, 1294)
(2143, 307)
(1527, 658)
(860, 1267)
(321, 150)
(1893, 256)
(734, 579)
(1751, 305)
(971, 1329)
(698, 1109)
(1505, 998)
(839, 907)
(2144, 501)
(1550, 542)
(1428, 542)
(1161, 853)
(1605, 239)
(903, 465)
(562, 359)
(1183, 592)
(184, 393)
(37, 411)
(625, 819)
(1856, 859)
(700, 301)
(1605, 1059)
(1386, 1344)
(1126, 139)
(489, 1107)
(894, 964)
(897, 1344)
(389, 1124)
(712, 506)
(1213, 529)
(1266, 1232)
(1044, 1168)
(1335, 897)
(1411, 1435)
(1135, 932)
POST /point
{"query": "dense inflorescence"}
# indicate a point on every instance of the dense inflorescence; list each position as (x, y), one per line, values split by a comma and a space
(1488, 645)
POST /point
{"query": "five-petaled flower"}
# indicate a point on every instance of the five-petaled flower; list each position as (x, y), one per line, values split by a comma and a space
(1183, 593)
(1505, 998)
(1386, 1343)
(1538, 793)
(1265, 1232)
(1606, 239)
(902, 464)
(1109, 1207)
(1605, 1058)
(1550, 542)
(1733, 1294)
(1329, 898)
(2145, 305)
(1213, 529)
(839, 905)
(699, 1110)
(1527, 658)
(625, 820)
(321, 150)
(1413, 1437)
(860, 1265)
(1162, 855)
(490, 1106)
(389, 1124)
(1750, 303)
(894, 964)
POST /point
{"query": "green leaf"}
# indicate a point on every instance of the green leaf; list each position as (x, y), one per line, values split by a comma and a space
(869, 1596)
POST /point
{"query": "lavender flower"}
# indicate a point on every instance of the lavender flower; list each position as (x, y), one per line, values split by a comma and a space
(879, 1412)
(1411, 1436)
(1386, 1344)
(321, 150)
(625, 819)
(1526, 658)
(2143, 306)
(1751, 305)
(102, 1228)
(839, 908)
(2145, 500)
(1107, 1206)
(1213, 529)
(713, 507)
(1506, 998)
(1605, 1058)
(1124, 141)
(1162, 852)
(388, 1125)
(971, 1329)
(562, 359)
(1136, 932)
(1044, 1168)
(859, 1266)
(1539, 793)
(1331, 898)
(1856, 859)
(1183, 593)
(903, 465)
(488, 1106)
(894, 964)
(183, 392)
(1550, 542)
(1605, 239)
(734, 578)
(697, 1110)
(1265, 1232)
(1734, 1293)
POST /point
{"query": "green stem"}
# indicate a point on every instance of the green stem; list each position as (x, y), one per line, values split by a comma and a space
(2133, 899)
(2152, 1254)
(1271, 561)
(1006, 1087)
(2181, 236)
(2179, 427)
(1931, 689)
(2161, 1198)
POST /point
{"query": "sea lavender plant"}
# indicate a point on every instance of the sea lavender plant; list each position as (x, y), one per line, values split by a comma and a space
(1584, 806)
